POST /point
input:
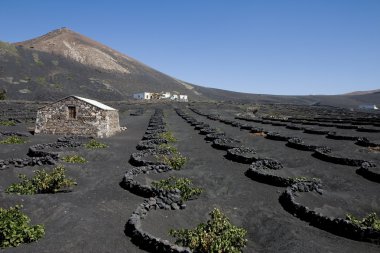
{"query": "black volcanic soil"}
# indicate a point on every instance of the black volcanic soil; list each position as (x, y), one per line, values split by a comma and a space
(254, 205)
(91, 218)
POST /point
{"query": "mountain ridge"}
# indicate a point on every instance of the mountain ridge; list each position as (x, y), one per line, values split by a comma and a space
(63, 62)
(53, 54)
(68, 43)
(364, 92)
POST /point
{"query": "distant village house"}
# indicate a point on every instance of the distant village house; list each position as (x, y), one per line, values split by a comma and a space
(183, 97)
(142, 95)
(161, 96)
(165, 95)
(75, 115)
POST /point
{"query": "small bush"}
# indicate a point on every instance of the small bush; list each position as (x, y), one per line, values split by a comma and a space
(41, 80)
(15, 228)
(185, 185)
(167, 147)
(94, 144)
(371, 220)
(7, 122)
(2, 95)
(42, 182)
(168, 136)
(218, 235)
(13, 140)
(176, 160)
(74, 159)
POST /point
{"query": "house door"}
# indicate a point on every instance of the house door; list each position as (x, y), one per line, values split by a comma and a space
(72, 112)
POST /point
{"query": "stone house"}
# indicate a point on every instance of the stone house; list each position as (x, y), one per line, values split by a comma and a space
(75, 115)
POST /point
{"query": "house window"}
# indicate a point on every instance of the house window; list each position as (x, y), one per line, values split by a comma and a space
(72, 112)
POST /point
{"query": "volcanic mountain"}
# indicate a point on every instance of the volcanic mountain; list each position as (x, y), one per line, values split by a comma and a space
(63, 62)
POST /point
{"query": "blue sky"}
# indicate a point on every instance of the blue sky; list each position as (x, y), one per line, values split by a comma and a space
(255, 46)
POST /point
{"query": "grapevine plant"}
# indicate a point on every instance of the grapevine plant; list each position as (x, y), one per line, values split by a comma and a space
(94, 144)
(175, 160)
(217, 235)
(167, 147)
(371, 221)
(7, 122)
(13, 140)
(42, 182)
(168, 136)
(185, 185)
(15, 228)
(74, 159)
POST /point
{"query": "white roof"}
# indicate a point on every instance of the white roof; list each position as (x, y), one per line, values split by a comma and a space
(96, 103)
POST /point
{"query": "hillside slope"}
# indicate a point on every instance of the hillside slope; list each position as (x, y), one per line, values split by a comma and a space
(63, 62)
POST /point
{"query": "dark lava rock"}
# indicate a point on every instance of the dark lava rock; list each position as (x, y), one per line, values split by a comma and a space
(226, 143)
(316, 131)
(257, 130)
(299, 144)
(276, 136)
(213, 136)
(336, 136)
(267, 164)
(208, 130)
(150, 144)
(242, 155)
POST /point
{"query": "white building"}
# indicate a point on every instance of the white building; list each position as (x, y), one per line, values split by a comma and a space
(174, 97)
(183, 98)
(162, 95)
(142, 95)
(368, 107)
(165, 95)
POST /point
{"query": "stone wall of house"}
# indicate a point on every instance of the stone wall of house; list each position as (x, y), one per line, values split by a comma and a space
(113, 123)
(90, 120)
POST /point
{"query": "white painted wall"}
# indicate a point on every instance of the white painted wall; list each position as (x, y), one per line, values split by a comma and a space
(165, 95)
(183, 97)
(142, 95)
(174, 97)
